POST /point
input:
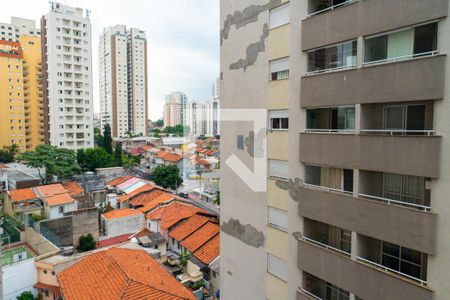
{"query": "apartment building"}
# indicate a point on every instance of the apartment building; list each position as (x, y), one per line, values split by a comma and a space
(67, 72)
(123, 80)
(213, 111)
(175, 109)
(196, 117)
(355, 205)
(21, 107)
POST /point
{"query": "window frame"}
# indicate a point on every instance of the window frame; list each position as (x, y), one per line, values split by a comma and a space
(281, 112)
(283, 264)
(277, 9)
(279, 212)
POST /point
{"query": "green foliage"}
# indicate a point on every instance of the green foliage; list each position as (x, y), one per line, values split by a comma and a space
(98, 137)
(179, 130)
(86, 243)
(58, 162)
(159, 123)
(167, 176)
(184, 258)
(128, 161)
(8, 153)
(107, 139)
(196, 285)
(217, 201)
(118, 154)
(93, 158)
(37, 217)
(26, 296)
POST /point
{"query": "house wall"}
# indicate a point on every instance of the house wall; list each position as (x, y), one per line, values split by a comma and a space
(120, 226)
(52, 212)
(18, 278)
(84, 221)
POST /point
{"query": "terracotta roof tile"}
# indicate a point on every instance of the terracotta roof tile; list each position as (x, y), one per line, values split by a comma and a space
(173, 213)
(192, 224)
(114, 240)
(147, 147)
(120, 274)
(59, 200)
(118, 180)
(201, 236)
(142, 189)
(22, 195)
(167, 156)
(209, 251)
(51, 190)
(121, 213)
(73, 188)
(145, 198)
(164, 198)
(3, 167)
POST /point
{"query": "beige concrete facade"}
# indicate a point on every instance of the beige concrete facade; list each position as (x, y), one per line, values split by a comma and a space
(358, 188)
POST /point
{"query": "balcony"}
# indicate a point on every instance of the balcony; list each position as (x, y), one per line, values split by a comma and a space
(416, 79)
(383, 220)
(344, 20)
(409, 154)
(366, 280)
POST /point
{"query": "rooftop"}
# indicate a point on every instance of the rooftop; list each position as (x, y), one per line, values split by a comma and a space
(118, 180)
(73, 188)
(51, 190)
(22, 195)
(139, 190)
(201, 236)
(121, 213)
(209, 251)
(192, 224)
(120, 274)
(167, 156)
(59, 200)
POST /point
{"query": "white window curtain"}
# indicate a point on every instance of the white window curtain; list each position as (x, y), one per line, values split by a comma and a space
(279, 16)
(278, 169)
(277, 267)
(279, 65)
(278, 218)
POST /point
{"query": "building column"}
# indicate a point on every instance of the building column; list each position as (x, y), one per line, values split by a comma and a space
(360, 52)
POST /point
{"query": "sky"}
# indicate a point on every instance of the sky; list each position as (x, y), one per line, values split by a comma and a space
(182, 40)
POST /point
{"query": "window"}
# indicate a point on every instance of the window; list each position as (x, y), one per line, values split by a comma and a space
(278, 120)
(411, 42)
(61, 209)
(403, 259)
(278, 218)
(279, 69)
(278, 169)
(334, 118)
(277, 267)
(404, 118)
(333, 292)
(279, 16)
(338, 56)
(405, 188)
(340, 179)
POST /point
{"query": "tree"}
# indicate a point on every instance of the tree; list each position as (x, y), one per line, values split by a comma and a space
(8, 153)
(93, 158)
(26, 296)
(107, 139)
(86, 243)
(58, 162)
(167, 177)
(118, 154)
(184, 258)
(98, 137)
(128, 162)
(159, 123)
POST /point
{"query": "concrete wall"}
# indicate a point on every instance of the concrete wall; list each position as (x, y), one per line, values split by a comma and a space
(361, 279)
(120, 226)
(84, 221)
(410, 155)
(413, 80)
(60, 231)
(403, 226)
(368, 17)
(38, 243)
(18, 278)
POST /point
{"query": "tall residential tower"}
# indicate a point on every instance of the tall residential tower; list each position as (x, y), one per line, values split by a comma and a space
(123, 80)
(356, 95)
(67, 70)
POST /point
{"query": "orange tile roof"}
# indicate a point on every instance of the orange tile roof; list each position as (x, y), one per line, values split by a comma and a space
(22, 195)
(209, 251)
(147, 147)
(51, 190)
(167, 156)
(121, 213)
(173, 213)
(136, 192)
(192, 224)
(120, 274)
(118, 180)
(73, 188)
(201, 236)
(145, 198)
(3, 167)
(59, 200)
(164, 198)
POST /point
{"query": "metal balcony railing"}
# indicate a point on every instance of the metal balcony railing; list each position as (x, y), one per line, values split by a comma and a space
(398, 131)
(325, 246)
(333, 7)
(401, 58)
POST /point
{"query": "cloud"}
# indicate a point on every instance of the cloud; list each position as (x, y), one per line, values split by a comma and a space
(183, 40)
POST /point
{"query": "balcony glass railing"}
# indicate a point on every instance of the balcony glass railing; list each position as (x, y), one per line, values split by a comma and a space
(326, 6)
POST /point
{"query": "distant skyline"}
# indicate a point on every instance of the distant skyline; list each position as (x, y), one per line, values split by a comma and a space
(182, 35)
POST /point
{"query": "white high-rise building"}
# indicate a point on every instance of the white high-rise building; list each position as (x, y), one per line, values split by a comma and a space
(67, 74)
(123, 80)
(196, 117)
(17, 28)
(213, 111)
(175, 109)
